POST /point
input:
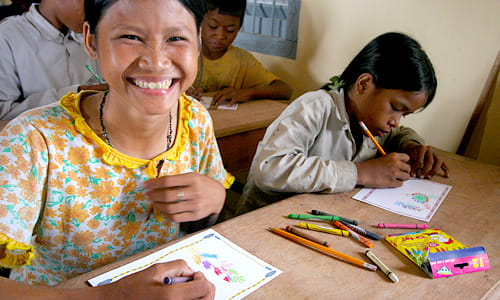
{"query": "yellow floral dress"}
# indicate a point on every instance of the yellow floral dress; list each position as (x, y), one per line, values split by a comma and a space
(69, 203)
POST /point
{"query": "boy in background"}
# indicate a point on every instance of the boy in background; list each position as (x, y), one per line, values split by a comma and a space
(43, 57)
(230, 73)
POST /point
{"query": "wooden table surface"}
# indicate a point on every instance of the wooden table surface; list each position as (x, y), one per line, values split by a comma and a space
(470, 214)
(251, 115)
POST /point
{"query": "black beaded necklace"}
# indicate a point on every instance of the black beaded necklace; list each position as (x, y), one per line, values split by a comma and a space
(105, 133)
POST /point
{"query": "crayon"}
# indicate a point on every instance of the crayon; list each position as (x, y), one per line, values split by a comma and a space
(381, 266)
(172, 280)
(324, 229)
(321, 213)
(354, 235)
(403, 226)
(305, 235)
(370, 135)
(362, 231)
(311, 217)
(415, 259)
(323, 249)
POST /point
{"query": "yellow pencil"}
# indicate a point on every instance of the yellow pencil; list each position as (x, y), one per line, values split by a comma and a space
(369, 134)
(324, 229)
(323, 249)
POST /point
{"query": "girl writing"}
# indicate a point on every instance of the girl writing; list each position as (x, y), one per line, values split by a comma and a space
(317, 144)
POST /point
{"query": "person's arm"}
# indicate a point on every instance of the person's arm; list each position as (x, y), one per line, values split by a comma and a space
(198, 196)
(146, 284)
(424, 161)
(278, 89)
(284, 164)
(12, 100)
(387, 171)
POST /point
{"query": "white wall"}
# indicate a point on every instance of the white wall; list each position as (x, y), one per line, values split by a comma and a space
(461, 37)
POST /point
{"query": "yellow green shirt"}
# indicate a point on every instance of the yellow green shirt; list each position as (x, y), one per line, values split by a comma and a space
(237, 68)
(70, 203)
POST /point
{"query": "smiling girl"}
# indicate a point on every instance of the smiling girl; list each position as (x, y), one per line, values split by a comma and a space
(104, 175)
(317, 145)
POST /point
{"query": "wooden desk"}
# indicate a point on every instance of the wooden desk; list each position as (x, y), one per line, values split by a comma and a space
(239, 131)
(470, 213)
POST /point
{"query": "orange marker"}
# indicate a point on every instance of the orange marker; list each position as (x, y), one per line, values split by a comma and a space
(370, 135)
(356, 236)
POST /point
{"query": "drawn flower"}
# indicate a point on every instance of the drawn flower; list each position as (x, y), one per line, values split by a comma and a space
(206, 264)
(217, 271)
(197, 259)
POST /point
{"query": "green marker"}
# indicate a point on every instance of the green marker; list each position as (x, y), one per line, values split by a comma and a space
(312, 217)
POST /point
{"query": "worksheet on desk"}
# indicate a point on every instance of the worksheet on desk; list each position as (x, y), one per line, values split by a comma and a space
(416, 198)
(234, 272)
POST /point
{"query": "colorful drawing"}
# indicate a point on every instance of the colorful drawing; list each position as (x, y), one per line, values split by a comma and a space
(417, 198)
(223, 268)
(234, 272)
(409, 206)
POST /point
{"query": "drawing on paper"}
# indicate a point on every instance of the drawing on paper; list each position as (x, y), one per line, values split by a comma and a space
(222, 268)
(416, 198)
(417, 201)
(235, 272)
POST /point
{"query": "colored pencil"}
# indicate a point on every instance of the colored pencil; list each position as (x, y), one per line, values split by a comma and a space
(370, 135)
(305, 235)
(323, 249)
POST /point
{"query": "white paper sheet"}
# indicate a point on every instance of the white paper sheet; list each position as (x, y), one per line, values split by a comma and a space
(416, 198)
(207, 102)
(234, 272)
(225, 105)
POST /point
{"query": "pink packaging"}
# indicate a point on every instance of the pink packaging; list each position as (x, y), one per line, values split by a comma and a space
(455, 262)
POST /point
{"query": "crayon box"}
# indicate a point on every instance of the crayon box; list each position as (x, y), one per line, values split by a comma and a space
(438, 254)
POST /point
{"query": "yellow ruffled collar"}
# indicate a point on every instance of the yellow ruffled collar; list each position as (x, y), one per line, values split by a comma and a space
(71, 103)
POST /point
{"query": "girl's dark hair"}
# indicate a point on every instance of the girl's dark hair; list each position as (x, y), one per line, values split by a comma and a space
(95, 9)
(395, 61)
(234, 8)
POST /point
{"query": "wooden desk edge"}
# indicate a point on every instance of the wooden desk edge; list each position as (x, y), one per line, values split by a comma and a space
(222, 118)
